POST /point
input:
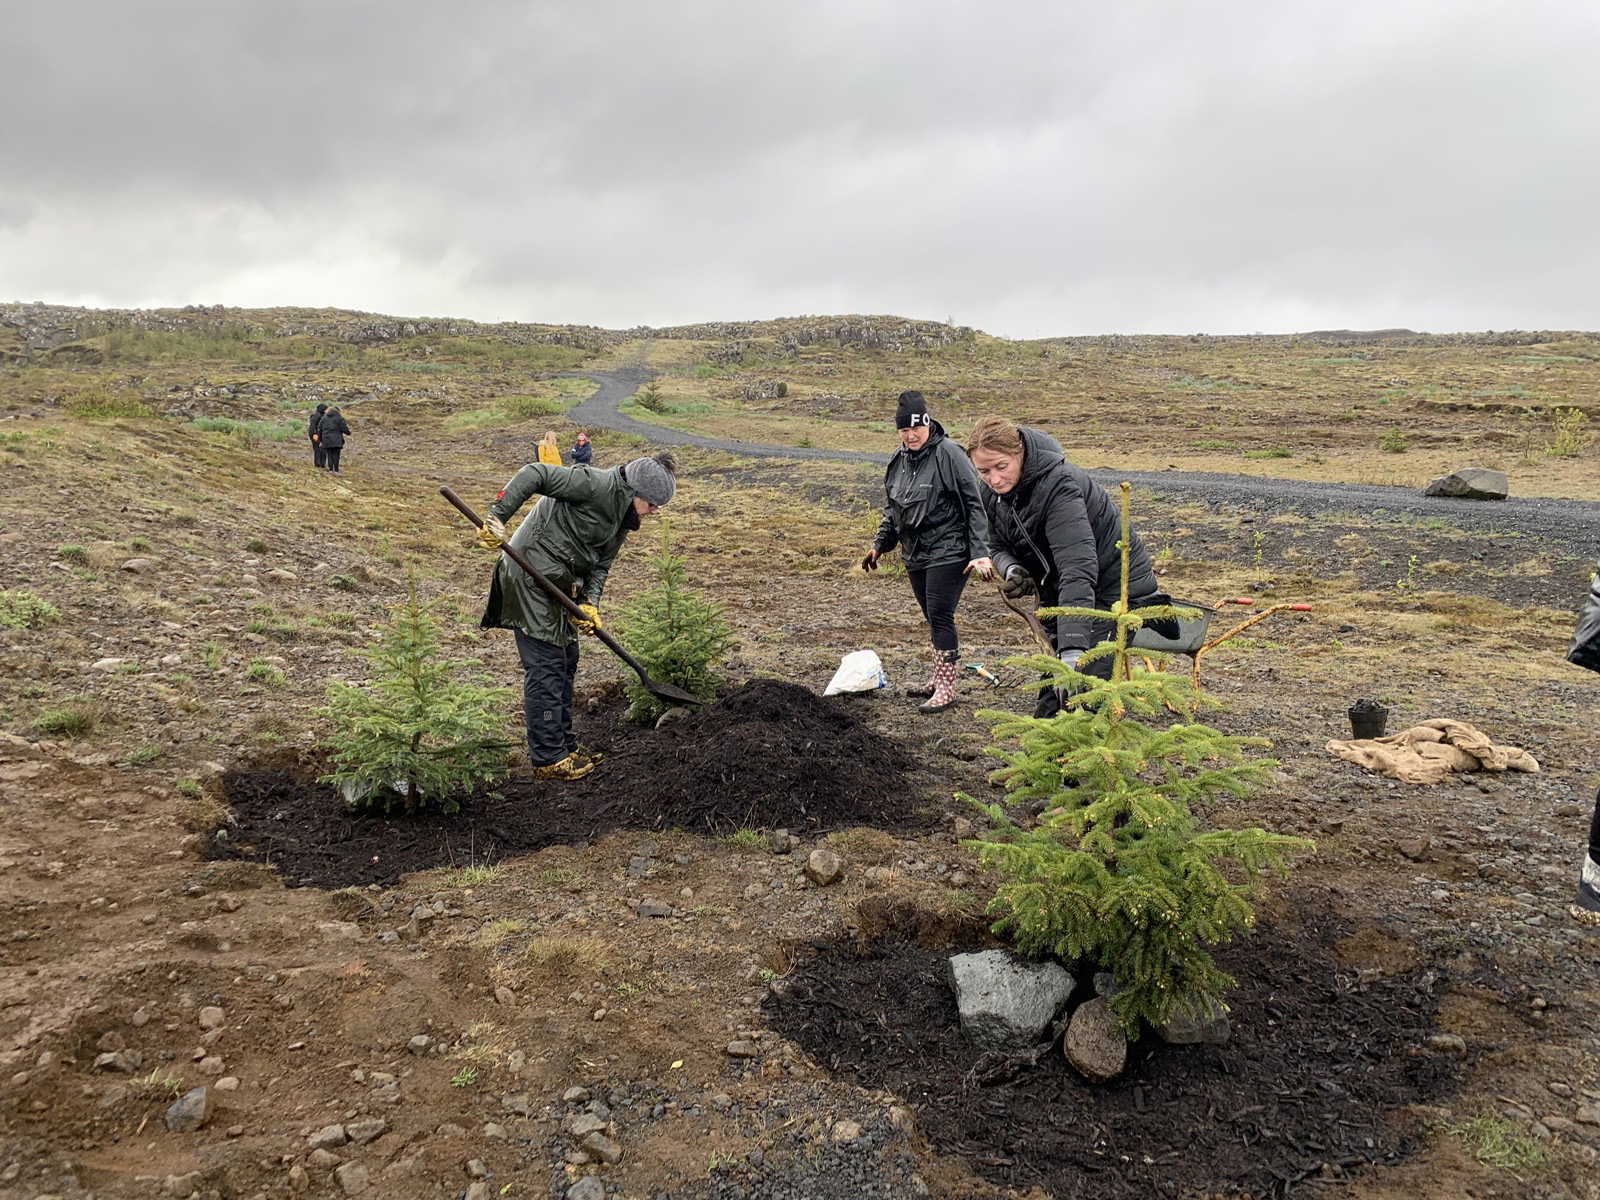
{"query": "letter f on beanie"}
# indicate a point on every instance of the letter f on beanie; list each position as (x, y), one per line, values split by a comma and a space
(652, 479)
(911, 411)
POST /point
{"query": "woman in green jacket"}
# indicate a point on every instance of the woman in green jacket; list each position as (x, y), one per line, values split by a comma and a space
(571, 537)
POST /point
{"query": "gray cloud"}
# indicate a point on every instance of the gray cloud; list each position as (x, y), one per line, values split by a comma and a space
(1030, 168)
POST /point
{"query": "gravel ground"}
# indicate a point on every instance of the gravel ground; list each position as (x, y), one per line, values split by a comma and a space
(1557, 520)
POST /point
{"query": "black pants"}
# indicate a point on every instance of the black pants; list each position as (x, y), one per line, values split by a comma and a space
(547, 674)
(1049, 702)
(1594, 831)
(938, 591)
(318, 458)
(332, 455)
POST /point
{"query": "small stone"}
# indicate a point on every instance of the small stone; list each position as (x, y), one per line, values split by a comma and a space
(516, 1060)
(370, 1130)
(479, 1189)
(504, 995)
(823, 866)
(1190, 1029)
(352, 1176)
(419, 1044)
(211, 1064)
(587, 1188)
(1452, 1044)
(451, 1130)
(649, 849)
(581, 1125)
(1559, 1088)
(138, 566)
(1105, 984)
(1556, 1123)
(1416, 849)
(327, 1138)
(139, 1019)
(902, 1118)
(676, 713)
(190, 1111)
(228, 902)
(228, 1083)
(1587, 1114)
(478, 1169)
(575, 1095)
(279, 575)
(211, 1017)
(494, 1132)
(235, 1131)
(779, 841)
(105, 664)
(743, 1048)
(126, 1061)
(721, 1101)
(324, 1160)
(299, 1180)
(846, 1131)
(603, 1148)
(654, 908)
(1095, 1043)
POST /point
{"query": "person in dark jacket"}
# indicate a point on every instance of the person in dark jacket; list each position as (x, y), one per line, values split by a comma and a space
(571, 538)
(934, 514)
(1055, 531)
(334, 429)
(314, 432)
(1585, 652)
(582, 452)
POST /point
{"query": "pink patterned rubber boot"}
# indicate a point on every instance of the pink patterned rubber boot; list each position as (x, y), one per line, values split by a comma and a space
(944, 682)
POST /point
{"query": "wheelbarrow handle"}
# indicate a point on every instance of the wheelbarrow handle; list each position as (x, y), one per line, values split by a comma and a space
(550, 589)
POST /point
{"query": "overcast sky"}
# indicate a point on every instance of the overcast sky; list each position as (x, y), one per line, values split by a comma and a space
(1027, 168)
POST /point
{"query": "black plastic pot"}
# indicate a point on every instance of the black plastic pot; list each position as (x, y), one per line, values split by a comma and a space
(1368, 719)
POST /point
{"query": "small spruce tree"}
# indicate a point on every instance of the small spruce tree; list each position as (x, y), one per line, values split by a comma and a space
(415, 729)
(1118, 871)
(675, 632)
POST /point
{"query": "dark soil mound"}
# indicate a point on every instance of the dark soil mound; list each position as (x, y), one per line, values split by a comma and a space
(770, 755)
(1314, 1068)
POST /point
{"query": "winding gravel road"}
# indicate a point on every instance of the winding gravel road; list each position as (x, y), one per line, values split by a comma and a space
(1569, 521)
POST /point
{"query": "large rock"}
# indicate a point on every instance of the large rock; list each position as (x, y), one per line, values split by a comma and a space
(1188, 1029)
(823, 867)
(190, 1111)
(1094, 1043)
(1470, 483)
(1007, 1005)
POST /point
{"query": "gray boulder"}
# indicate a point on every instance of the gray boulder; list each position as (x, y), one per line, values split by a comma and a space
(1007, 1005)
(1470, 483)
(190, 1111)
(1188, 1029)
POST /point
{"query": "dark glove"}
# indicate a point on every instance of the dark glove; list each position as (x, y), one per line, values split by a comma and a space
(1018, 583)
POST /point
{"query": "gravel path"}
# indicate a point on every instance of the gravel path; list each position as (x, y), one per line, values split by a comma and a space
(1574, 521)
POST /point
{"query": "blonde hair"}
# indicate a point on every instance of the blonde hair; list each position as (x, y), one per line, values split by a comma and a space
(996, 434)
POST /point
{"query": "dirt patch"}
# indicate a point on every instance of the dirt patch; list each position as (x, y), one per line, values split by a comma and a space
(1316, 1064)
(770, 755)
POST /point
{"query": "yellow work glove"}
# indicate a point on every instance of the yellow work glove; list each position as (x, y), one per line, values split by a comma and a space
(592, 624)
(491, 533)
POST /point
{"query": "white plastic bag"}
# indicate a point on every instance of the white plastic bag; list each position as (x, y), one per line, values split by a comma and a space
(859, 671)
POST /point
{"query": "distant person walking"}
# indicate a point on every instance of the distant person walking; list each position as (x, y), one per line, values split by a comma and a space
(550, 449)
(935, 515)
(334, 430)
(582, 452)
(314, 432)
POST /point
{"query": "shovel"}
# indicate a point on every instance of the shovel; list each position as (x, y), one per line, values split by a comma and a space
(664, 691)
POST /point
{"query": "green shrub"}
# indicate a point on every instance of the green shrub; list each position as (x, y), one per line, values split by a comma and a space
(264, 672)
(265, 431)
(77, 555)
(1118, 872)
(100, 402)
(415, 724)
(144, 755)
(24, 610)
(75, 718)
(1394, 442)
(675, 632)
(1275, 452)
(520, 408)
(1570, 438)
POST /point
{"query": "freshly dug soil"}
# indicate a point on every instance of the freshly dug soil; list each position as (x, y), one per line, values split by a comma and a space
(770, 755)
(1315, 1067)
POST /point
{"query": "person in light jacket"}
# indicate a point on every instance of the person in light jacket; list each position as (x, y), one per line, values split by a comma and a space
(934, 514)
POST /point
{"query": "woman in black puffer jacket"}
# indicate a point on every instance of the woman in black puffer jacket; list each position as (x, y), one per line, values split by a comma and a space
(935, 516)
(334, 431)
(1055, 531)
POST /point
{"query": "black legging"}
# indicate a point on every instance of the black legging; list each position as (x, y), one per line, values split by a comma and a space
(332, 455)
(1594, 831)
(938, 591)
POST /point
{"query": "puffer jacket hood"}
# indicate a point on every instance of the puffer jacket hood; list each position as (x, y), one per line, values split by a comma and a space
(933, 511)
(1062, 528)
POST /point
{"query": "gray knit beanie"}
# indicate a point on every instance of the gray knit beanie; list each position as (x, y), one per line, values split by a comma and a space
(652, 479)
